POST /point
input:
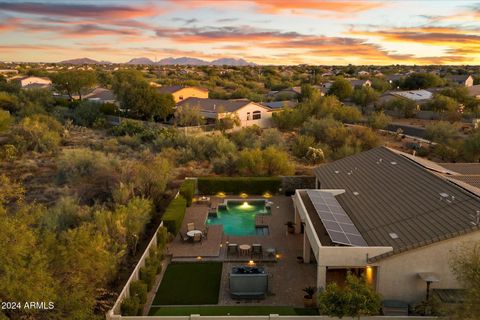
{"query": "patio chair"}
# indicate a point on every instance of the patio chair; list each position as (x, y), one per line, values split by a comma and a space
(184, 237)
(205, 233)
(232, 248)
(190, 226)
(197, 237)
(257, 250)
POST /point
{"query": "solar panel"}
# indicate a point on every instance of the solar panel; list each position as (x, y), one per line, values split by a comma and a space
(336, 221)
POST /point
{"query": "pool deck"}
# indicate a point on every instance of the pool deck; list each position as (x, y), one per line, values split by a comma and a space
(287, 276)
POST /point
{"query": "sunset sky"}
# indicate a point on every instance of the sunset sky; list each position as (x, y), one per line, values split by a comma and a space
(261, 31)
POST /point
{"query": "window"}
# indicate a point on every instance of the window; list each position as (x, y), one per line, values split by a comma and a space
(257, 115)
(248, 115)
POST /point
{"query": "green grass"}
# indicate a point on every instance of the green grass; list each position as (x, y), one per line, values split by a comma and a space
(190, 284)
(232, 310)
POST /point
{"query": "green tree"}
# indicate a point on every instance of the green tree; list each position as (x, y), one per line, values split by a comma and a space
(465, 264)
(378, 120)
(250, 163)
(406, 106)
(441, 132)
(471, 147)
(355, 299)
(228, 121)
(5, 120)
(74, 82)
(380, 85)
(341, 88)
(9, 102)
(277, 162)
(421, 81)
(365, 96)
(288, 119)
(186, 116)
(308, 92)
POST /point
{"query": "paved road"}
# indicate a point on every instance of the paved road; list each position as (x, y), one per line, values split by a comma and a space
(408, 130)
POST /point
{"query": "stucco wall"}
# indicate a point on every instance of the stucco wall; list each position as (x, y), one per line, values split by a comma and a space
(189, 92)
(264, 122)
(397, 276)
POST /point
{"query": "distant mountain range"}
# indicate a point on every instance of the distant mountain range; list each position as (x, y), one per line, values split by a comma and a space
(168, 61)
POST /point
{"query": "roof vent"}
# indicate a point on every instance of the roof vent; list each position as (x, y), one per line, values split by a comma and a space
(336, 171)
(393, 162)
(355, 193)
(393, 235)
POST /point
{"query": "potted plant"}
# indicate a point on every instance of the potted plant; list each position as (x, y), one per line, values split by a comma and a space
(290, 226)
(308, 297)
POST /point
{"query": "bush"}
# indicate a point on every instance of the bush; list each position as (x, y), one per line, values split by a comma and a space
(87, 113)
(174, 214)
(187, 190)
(139, 289)
(130, 306)
(5, 120)
(236, 185)
(149, 272)
(38, 133)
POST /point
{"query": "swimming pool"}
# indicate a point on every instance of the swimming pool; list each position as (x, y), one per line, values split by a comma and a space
(238, 217)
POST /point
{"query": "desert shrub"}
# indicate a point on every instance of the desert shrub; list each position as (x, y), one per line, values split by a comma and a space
(5, 120)
(8, 152)
(187, 190)
(87, 113)
(301, 145)
(441, 132)
(272, 138)
(39, 133)
(174, 214)
(149, 272)
(236, 185)
(139, 289)
(130, 306)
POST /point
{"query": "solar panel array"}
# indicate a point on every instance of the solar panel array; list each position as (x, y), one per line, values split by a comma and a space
(338, 224)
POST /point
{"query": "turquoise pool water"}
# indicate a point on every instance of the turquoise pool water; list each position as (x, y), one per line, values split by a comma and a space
(238, 217)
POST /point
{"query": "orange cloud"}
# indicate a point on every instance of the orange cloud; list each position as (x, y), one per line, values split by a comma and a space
(276, 6)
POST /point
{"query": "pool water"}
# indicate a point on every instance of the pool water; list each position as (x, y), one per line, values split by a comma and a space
(238, 217)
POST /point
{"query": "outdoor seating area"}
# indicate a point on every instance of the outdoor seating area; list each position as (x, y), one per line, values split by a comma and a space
(275, 251)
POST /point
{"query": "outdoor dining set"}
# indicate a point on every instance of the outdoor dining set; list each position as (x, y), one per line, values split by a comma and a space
(194, 235)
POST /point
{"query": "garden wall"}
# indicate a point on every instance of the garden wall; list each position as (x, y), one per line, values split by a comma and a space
(237, 185)
(292, 183)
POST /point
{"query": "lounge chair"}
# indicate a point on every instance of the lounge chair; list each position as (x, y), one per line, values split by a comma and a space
(197, 237)
(257, 249)
(190, 226)
(232, 249)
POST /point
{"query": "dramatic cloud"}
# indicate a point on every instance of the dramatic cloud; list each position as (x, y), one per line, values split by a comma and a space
(276, 6)
(79, 10)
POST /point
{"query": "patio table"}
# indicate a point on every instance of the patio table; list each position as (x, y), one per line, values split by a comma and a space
(192, 233)
(244, 249)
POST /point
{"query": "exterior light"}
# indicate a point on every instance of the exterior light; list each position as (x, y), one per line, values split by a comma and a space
(369, 274)
(199, 258)
(267, 195)
(221, 194)
(277, 256)
(251, 263)
(243, 195)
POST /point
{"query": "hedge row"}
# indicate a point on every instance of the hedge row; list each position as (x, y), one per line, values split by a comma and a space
(174, 214)
(236, 185)
(133, 305)
(187, 190)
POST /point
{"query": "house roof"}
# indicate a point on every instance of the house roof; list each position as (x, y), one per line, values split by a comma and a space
(359, 82)
(280, 104)
(215, 105)
(415, 95)
(173, 89)
(458, 77)
(393, 201)
(101, 94)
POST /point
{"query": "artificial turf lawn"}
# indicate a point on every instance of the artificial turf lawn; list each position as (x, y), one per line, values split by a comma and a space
(232, 310)
(190, 284)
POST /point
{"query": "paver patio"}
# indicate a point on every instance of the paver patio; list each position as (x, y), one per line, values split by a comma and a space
(287, 277)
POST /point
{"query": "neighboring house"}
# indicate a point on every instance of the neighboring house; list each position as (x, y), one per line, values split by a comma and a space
(8, 72)
(388, 216)
(418, 96)
(278, 105)
(180, 93)
(250, 113)
(101, 95)
(285, 94)
(363, 73)
(465, 80)
(32, 82)
(358, 83)
(474, 91)
(391, 78)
